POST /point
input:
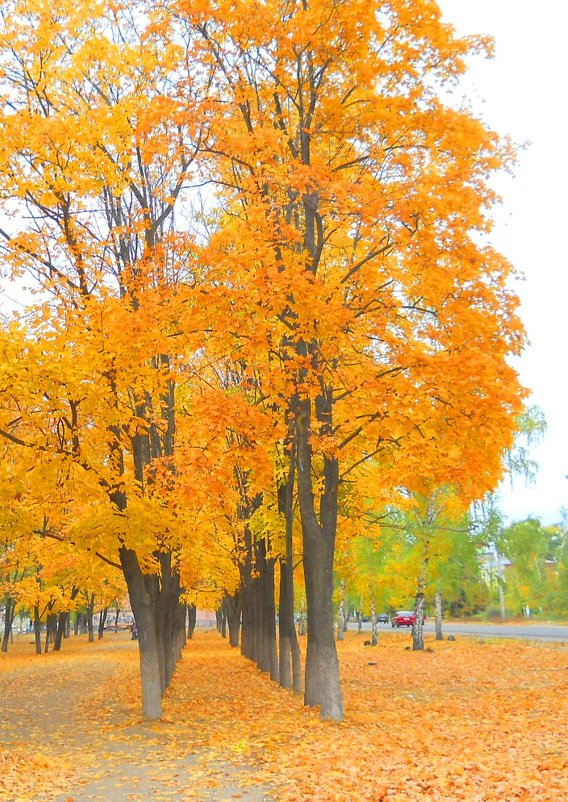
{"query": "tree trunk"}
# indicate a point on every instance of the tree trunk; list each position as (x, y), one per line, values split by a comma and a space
(37, 630)
(374, 627)
(170, 615)
(233, 607)
(270, 618)
(260, 640)
(9, 613)
(191, 619)
(61, 627)
(249, 637)
(289, 662)
(143, 609)
(438, 623)
(50, 629)
(90, 613)
(502, 606)
(81, 624)
(418, 625)
(322, 684)
(246, 625)
(302, 622)
(341, 627)
(359, 621)
(102, 622)
(266, 651)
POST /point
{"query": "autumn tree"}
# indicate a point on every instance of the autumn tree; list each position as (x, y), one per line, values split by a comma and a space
(360, 199)
(340, 259)
(96, 149)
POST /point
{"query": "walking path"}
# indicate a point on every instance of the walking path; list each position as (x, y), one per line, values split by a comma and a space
(73, 722)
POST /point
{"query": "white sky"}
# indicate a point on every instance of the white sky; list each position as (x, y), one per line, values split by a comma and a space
(522, 91)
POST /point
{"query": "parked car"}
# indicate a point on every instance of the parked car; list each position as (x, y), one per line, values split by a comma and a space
(383, 618)
(404, 618)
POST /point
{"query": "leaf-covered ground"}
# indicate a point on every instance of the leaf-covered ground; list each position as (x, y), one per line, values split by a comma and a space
(470, 720)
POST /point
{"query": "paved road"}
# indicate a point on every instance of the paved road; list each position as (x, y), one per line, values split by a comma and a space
(539, 632)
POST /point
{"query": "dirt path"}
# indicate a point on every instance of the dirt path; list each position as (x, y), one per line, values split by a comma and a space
(81, 707)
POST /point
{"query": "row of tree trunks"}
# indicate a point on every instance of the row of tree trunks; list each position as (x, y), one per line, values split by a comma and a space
(160, 621)
(102, 621)
(62, 621)
(50, 630)
(290, 669)
(250, 611)
(233, 607)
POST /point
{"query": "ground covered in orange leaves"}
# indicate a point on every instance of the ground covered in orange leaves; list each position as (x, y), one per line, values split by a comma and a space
(470, 720)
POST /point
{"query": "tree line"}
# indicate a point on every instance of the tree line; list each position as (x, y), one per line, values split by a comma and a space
(266, 306)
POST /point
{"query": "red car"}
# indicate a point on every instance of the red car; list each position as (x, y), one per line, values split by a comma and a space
(404, 618)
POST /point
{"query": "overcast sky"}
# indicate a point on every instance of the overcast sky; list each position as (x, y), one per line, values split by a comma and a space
(522, 91)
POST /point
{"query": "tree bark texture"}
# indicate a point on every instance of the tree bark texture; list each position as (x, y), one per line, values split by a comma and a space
(37, 630)
(233, 606)
(374, 627)
(9, 612)
(191, 619)
(62, 619)
(341, 622)
(102, 622)
(289, 663)
(161, 626)
(90, 613)
(322, 683)
(438, 619)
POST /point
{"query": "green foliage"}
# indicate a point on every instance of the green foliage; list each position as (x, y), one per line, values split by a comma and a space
(537, 572)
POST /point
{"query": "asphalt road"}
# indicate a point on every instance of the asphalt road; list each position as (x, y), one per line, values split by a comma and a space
(542, 632)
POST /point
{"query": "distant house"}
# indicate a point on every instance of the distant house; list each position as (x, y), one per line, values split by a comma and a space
(493, 565)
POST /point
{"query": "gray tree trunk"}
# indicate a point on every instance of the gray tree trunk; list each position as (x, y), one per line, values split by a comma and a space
(374, 627)
(341, 623)
(290, 668)
(102, 622)
(418, 625)
(322, 683)
(439, 612)
(191, 619)
(37, 630)
(143, 610)
(90, 613)
(9, 612)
